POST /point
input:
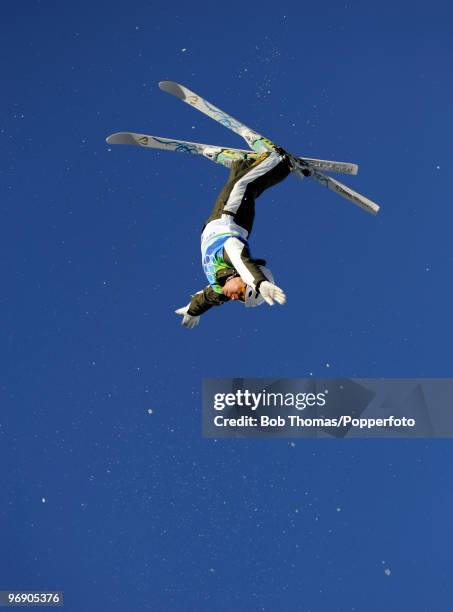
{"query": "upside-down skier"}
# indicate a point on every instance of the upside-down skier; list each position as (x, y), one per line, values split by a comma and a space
(231, 271)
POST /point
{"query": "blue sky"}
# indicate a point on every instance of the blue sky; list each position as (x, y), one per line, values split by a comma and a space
(109, 492)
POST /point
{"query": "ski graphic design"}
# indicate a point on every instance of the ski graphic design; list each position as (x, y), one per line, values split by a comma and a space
(211, 151)
(330, 165)
(156, 142)
(193, 99)
(301, 168)
(346, 192)
(180, 146)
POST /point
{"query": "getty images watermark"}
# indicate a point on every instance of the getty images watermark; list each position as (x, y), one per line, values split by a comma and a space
(328, 408)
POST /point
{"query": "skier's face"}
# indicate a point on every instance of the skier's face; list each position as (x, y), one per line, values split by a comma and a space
(234, 288)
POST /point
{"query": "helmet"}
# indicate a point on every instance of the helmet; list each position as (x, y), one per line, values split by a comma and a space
(252, 296)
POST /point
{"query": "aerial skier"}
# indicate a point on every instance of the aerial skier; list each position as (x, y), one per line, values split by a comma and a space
(231, 271)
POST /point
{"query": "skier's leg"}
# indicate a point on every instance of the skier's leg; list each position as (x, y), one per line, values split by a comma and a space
(238, 168)
(248, 179)
(268, 170)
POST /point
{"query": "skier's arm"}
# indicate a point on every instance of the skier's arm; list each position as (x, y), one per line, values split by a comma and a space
(204, 300)
(200, 303)
(237, 254)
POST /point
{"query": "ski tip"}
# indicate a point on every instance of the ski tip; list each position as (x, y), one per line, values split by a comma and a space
(172, 88)
(120, 138)
(369, 206)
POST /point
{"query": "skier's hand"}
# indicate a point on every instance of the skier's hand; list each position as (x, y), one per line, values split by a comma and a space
(188, 320)
(271, 293)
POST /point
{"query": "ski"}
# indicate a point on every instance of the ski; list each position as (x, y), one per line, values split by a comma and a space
(346, 192)
(331, 165)
(211, 151)
(193, 99)
(301, 167)
(180, 146)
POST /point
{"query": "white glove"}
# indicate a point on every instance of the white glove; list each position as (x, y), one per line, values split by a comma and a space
(271, 293)
(188, 320)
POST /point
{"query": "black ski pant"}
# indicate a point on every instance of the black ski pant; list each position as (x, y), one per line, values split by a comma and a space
(247, 180)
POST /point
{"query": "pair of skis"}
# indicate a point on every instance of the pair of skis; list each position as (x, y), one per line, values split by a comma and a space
(301, 166)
